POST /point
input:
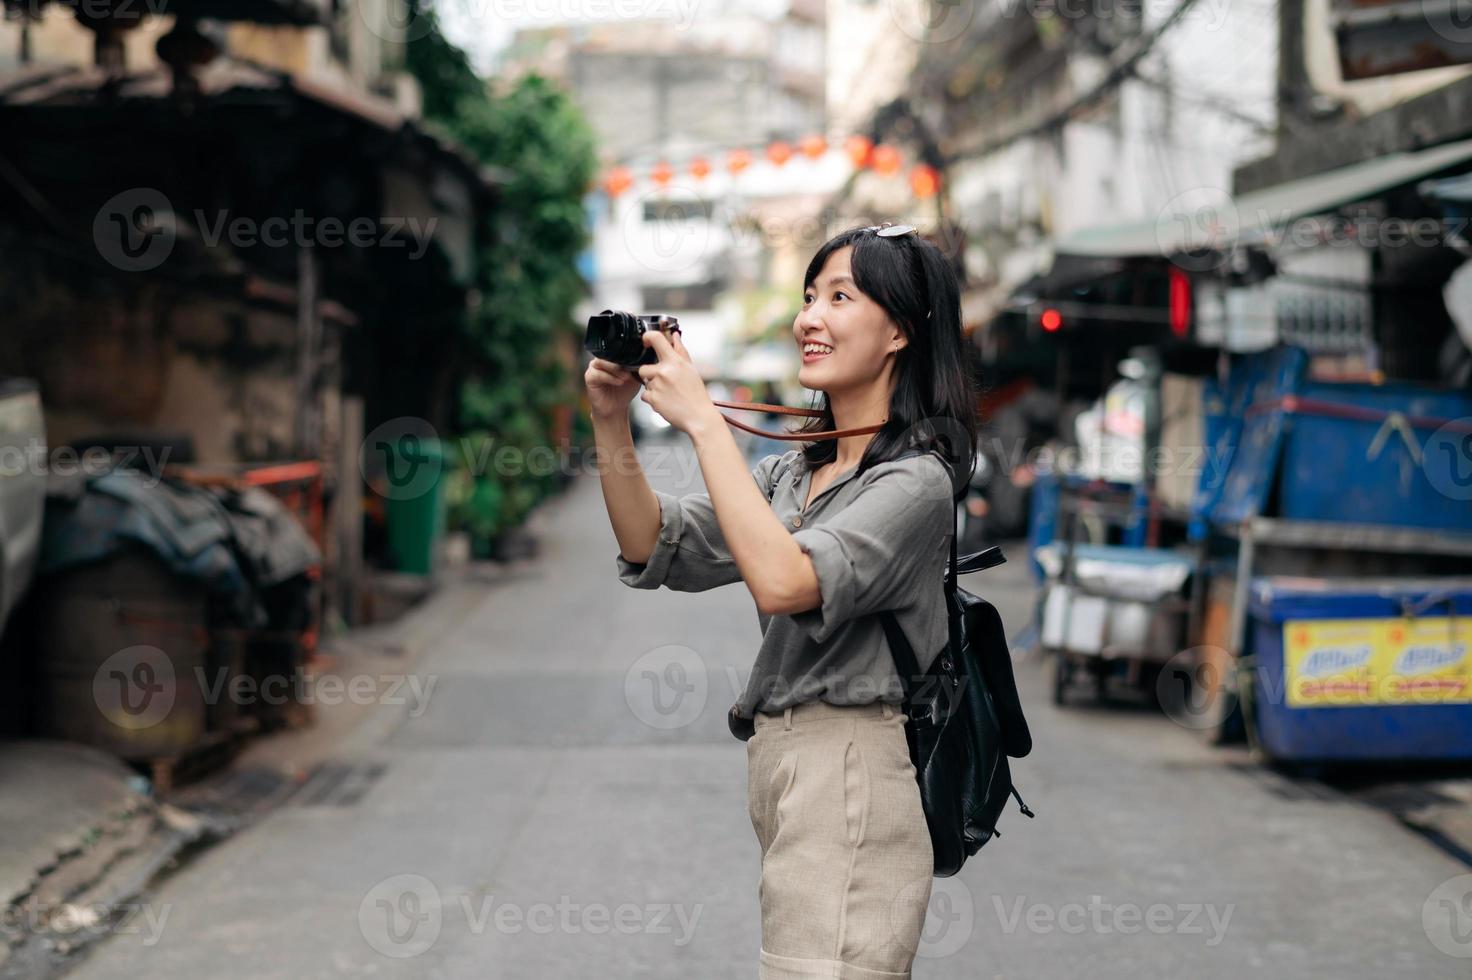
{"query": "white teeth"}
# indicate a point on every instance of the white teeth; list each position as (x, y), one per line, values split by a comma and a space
(816, 349)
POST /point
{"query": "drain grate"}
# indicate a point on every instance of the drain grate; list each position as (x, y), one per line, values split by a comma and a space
(339, 784)
(236, 798)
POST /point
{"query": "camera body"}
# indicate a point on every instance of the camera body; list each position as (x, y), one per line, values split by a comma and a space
(619, 337)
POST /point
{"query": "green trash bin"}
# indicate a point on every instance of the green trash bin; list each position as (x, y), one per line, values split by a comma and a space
(416, 503)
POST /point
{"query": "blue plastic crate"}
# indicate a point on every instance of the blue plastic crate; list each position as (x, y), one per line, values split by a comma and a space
(1362, 669)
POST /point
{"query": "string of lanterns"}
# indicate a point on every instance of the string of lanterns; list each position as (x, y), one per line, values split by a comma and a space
(883, 158)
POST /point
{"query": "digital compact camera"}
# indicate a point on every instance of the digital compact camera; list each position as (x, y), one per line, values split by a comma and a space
(619, 337)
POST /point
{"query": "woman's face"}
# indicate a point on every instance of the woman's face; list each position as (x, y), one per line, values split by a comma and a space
(855, 333)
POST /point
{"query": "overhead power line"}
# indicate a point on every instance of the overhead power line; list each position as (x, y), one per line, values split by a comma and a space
(1118, 73)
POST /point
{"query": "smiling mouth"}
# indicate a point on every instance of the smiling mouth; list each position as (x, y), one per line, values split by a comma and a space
(812, 352)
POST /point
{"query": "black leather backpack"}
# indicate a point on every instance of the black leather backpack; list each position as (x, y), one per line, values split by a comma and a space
(964, 719)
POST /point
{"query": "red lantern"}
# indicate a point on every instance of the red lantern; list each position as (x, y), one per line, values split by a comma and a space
(738, 160)
(700, 168)
(887, 160)
(661, 173)
(859, 150)
(924, 180)
(617, 180)
(779, 153)
(812, 147)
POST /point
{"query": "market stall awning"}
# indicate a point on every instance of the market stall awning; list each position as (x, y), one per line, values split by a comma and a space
(1207, 219)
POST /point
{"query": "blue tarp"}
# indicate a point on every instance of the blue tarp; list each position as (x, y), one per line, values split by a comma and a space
(230, 542)
(184, 527)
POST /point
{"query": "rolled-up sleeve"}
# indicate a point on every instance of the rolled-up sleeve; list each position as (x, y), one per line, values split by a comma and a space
(690, 554)
(870, 556)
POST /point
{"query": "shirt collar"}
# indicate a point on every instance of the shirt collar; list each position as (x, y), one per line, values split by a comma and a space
(802, 480)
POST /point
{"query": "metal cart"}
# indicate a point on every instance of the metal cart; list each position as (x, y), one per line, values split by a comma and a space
(1095, 629)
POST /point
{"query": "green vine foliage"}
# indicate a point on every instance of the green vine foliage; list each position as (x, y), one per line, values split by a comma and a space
(526, 278)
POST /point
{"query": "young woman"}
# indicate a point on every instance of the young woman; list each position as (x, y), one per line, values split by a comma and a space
(823, 537)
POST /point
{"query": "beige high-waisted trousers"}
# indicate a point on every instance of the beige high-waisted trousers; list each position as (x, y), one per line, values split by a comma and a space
(846, 858)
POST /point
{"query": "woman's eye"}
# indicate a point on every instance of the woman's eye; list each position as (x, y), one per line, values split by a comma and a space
(807, 299)
(840, 293)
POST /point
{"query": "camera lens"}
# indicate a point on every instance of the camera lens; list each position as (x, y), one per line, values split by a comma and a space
(618, 336)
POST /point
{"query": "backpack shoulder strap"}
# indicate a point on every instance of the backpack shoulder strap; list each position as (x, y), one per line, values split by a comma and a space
(904, 655)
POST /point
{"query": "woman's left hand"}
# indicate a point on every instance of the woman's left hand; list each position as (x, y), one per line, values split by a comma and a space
(672, 386)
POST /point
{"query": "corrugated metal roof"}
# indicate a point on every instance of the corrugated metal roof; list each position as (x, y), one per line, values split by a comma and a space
(298, 12)
(78, 86)
(1252, 217)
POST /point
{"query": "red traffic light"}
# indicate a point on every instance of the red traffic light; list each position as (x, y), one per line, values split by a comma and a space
(1051, 320)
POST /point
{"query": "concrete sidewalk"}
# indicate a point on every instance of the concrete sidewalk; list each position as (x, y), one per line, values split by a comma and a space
(57, 798)
(82, 836)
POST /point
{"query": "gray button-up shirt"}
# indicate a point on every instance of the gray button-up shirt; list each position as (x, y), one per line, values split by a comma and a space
(877, 541)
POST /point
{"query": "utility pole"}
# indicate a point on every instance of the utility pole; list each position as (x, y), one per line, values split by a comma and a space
(1294, 88)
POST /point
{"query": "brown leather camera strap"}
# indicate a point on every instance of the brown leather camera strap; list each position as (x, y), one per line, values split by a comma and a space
(791, 436)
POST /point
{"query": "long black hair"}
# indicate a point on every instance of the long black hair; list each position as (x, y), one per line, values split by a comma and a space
(933, 404)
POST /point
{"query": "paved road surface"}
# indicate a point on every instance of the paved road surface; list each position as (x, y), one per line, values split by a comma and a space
(535, 823)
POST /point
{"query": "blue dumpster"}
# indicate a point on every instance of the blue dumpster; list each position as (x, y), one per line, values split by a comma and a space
(1378, 454)
(1362, 668)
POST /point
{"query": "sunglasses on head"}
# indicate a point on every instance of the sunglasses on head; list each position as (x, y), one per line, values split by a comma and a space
(891, 230)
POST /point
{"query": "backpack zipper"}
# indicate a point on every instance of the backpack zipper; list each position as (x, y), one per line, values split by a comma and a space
(1021, 805)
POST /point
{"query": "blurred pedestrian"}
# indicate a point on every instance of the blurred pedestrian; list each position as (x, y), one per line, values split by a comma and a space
(757, 446)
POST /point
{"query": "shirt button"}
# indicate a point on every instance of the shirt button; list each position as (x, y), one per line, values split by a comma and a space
(797, 522)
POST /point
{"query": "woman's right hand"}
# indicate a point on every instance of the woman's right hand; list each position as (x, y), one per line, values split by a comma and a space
(611, 387)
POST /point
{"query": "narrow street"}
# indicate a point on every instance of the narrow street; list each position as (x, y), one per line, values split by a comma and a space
(570, 804)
